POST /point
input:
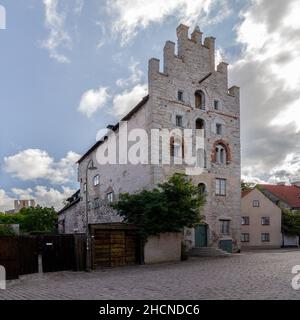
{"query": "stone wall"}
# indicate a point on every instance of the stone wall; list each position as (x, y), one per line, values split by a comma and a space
(165, 247)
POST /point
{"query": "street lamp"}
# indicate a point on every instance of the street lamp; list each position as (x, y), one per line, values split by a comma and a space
(90, 166)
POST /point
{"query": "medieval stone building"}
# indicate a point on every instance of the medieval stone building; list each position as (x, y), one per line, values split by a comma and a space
(188, 91)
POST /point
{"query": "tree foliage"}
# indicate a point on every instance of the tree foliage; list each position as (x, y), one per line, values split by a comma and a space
(6, 230)
(170, 207)
(247, 185)
(290, 222)
(31, 219)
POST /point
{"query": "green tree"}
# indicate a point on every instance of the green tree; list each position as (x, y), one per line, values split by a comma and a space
(247, 185)
(170, 207)
(6, 230)
(290, 222)
(38, 219)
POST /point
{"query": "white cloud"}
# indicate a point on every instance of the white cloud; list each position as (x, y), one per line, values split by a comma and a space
(93, 100)
(131, 16)
(125, 101)
(45, 197)
(267, 74)
(33, 164)
(135, 77)
(58, 37)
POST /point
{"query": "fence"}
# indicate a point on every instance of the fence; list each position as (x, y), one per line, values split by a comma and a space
(19, 255)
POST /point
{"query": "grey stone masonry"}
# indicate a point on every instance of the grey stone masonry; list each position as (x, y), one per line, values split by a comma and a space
(187, 85)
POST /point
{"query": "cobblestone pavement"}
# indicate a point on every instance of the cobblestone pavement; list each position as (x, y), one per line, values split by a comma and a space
(251, 275)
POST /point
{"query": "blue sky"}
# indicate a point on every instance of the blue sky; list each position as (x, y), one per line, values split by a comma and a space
(59, 56)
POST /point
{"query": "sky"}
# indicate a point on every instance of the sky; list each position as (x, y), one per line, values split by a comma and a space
(68, 68)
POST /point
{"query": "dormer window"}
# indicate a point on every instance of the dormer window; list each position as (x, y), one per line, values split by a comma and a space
(180, 95)
(199, 100)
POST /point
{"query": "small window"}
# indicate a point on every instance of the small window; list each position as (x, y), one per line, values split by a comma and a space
(245, 237)
(221, 155)
(265, 237)
(179, 121)
(96, 203)
(256, 203)
(265, 221)
(221, 187)
(217, 104)
(219, 129)
(84, 187)
(225, 227)
(110, 197)
(202, 188)
(180, 95)
(245, 221)
(199, 100)
(96, 180)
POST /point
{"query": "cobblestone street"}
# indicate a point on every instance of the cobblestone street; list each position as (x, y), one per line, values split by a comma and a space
(251, 275)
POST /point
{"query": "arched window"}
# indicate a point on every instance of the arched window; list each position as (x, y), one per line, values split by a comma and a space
(200, 125)
(202, 188)
(221, 154)
(200, 100)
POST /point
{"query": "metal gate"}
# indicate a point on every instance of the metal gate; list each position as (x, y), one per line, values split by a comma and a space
(115, 245)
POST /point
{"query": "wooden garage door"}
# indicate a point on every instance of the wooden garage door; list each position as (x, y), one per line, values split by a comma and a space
(114, 248)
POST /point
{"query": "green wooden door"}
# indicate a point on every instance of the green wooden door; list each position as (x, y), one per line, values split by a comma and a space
(226, 245)
(201, 236)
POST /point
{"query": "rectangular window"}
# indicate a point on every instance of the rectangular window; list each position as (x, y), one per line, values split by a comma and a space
(96, 203)
(245, 221)
(265, 237)
(221, 187)
(179, 121)
(110, 197)
(265, 221)
(245, 237)
(225, 227)
(180, 95)
(218, 128)
(216, 104)
(256, 203)
(96, 180)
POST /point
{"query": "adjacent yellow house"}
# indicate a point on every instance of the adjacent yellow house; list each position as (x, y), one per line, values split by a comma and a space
(261, 221)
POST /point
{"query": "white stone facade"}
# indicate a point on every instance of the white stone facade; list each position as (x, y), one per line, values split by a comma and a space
(190, 70)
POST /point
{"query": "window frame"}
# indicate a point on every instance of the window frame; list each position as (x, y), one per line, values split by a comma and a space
(180, 95)
(225, 227)
(245, 237)
(179, 123)
(255, 202)
(97, 180)
(219, 188)
(216, 104)
(268, 221)
(110, 200)
(263, 238)
(219, 129)
(245, 221)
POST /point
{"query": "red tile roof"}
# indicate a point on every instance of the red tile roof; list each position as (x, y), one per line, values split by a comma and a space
(245, 192)
(288, 194)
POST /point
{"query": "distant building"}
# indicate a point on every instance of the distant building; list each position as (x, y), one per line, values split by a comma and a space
(261, 221)
(285, 196)
(20, 204)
